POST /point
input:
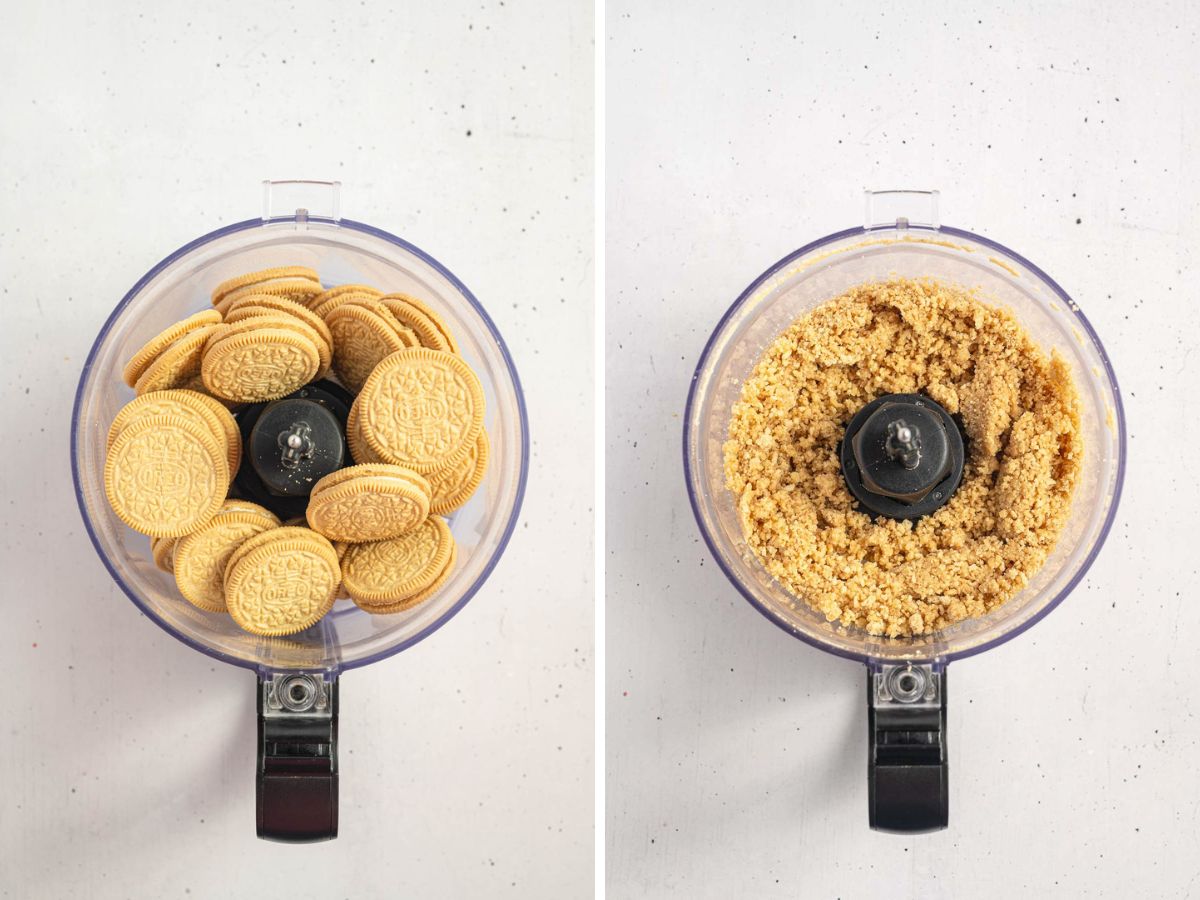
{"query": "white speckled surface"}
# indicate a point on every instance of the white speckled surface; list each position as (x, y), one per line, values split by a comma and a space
(737, 133)
(126, 760)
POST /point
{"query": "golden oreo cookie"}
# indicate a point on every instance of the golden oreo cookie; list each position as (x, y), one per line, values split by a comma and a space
(262, 364)
(225, 288)
(341, 547)
(233, 436)
(438, 322)
(340, 289)
(282, 305)
(201, 557)
(385, 609)
(165, 476)
(386, 572)
(422, 409)
(284, 584)
(188, 405)
(178, 364)
(361, 338)
(149, 351)
(360, 452)
(451, 487)
(244, 324)
(411, 317)
(302, 290)
(163, 551)
(328, 302)
(368, 503)
(250, 508)
(250, 544)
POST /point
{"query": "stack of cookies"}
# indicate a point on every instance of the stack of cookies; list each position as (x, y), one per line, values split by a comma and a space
(269, 344)
(374, 531)
(298, 283)
(394, 553)
(367, 327)
(171, 457)
(172, 358)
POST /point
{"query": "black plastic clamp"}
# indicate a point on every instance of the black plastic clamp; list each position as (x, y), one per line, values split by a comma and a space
(297, 780)
(908, 774)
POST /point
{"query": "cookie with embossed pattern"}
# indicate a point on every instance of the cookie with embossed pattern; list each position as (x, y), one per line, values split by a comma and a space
(422, 409)
(187, 405)
(438, 322)
(201, 557)
(260, 302)
(451, 487)
(341, 547)
(247, 322)
(257, 541)
(165, 476)
(237, 505)
(283, 584)
(385, 609)
(149, 351)
(362, 470)
(360, 452)
(329, 301)
(178, 364)
(286, 531)
(368, 505)
(339, 289)
(229, 426)
(361, 338)
(377, 306)
(303, 290)
(263, 276)
(385, 572)
(261, 364)
(407, 314)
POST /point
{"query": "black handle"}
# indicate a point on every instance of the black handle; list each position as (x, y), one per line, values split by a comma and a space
(908, 776)
(297, 779)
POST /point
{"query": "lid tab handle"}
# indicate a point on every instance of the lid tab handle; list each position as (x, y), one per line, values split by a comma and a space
(901, 209)
(299, 201)
(908, 774)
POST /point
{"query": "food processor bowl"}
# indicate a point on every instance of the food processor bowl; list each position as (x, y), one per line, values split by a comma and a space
(302, 667)
(906, 240)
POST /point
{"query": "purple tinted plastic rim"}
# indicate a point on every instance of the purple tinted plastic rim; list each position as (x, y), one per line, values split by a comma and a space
(1044, 611)
(512, 371)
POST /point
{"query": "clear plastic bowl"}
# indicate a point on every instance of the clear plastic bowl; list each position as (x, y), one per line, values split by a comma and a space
(821, 271)
(342, 251)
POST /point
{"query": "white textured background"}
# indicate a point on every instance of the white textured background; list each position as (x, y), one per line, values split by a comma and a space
(737, 132)
(128, 128)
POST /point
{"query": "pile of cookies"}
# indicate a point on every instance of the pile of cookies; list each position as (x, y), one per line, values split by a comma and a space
(373, 531)
(171, 456)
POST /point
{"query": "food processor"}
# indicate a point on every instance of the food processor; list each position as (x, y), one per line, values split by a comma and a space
(908, 768)
(298, 675)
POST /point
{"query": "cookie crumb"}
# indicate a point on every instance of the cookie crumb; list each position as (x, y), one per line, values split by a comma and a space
(1019, 409)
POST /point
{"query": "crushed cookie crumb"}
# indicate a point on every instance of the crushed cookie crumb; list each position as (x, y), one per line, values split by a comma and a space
(1020, 412)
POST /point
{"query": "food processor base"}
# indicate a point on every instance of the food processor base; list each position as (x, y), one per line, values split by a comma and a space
(297, 789)
(908, 776)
